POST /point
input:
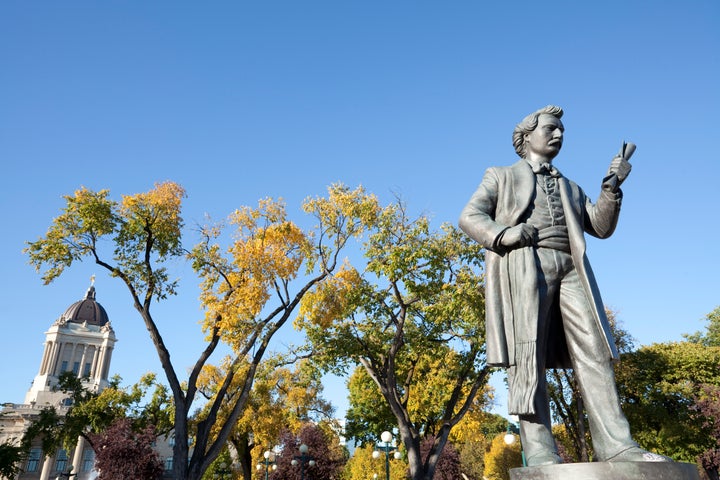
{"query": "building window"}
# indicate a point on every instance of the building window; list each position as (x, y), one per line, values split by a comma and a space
(76, 368)
(88, 460)
(33, 462)
(63, 366)
(171, 441)
(61, 460)
(168, 464)
(86, 372)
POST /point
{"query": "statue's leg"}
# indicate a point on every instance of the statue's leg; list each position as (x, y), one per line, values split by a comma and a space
(536, 430)
(594, 371)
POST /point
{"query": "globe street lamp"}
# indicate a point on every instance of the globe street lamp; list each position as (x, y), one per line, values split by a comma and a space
(67, 474)
(510, 439)
(387, 447)
(268, 463)
(302, 459)
(222, 472)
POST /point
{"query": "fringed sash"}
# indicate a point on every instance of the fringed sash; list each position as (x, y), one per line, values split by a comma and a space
(523, 302)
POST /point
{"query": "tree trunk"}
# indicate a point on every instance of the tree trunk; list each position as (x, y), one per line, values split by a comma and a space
(243, 449)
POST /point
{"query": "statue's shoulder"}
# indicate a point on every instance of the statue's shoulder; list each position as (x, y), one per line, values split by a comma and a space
(520, 166)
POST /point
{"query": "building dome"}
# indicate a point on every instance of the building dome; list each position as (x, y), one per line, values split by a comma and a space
(86, 311)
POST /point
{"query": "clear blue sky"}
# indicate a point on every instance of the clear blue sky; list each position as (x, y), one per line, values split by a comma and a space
(241, 100)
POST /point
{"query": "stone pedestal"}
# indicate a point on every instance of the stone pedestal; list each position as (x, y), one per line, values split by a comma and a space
(609, 471)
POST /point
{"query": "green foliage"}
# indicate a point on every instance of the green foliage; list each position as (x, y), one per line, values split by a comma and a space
(48, 426)
(711, 336)
(366, 416)
(90, 217)
(657, 385)
(11, 454)
(223, 468)
(92, 413)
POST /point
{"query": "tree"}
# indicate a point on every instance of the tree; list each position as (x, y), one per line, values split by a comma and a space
(501, 458)
(473, 435)
(707, 408)
(414, 320)
(448, 465)
(281, 398)
(11, 454)
(707, 400)
(90, 413)
(121, 452)
(657, 386)
(362, 466)
(323, 448)
(249, 288)
(365, 416)
(711, 336)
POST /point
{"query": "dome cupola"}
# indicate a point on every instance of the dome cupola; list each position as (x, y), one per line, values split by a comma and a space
(86, 311)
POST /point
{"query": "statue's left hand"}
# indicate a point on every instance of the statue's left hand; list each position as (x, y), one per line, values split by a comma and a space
(619, 167)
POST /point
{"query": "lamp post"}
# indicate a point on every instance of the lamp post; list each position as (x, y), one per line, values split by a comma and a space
(387, 447)
(510, 439)
(302, 459)
(223, 472)
(67, 474)
(268, 463)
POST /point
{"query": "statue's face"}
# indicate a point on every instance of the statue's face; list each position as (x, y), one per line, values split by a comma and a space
(546, 140)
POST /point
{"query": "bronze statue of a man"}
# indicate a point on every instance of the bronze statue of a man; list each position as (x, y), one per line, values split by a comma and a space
(543, 306)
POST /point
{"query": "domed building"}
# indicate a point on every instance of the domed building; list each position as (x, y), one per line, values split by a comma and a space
(81, 340)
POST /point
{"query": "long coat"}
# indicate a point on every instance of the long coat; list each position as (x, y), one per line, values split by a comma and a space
(500, 202)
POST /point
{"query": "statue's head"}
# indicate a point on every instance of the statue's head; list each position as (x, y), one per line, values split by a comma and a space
(529, 124)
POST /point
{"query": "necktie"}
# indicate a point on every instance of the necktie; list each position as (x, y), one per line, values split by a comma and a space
(546, 169)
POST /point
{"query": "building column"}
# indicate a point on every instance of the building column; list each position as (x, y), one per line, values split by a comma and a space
(77, 457)
(73, 356)
(47, 468)
(46, 357)
(83, 357)
(57, 352)
(105, 364)
(93, 367)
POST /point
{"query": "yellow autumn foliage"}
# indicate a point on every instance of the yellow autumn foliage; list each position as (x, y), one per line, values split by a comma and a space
(501, 458)
(158, 210)
(344, 210)
(329, 301)
(362, 466)
(267, 250)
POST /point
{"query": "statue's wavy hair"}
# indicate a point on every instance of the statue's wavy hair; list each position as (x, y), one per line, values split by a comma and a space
(529, 124)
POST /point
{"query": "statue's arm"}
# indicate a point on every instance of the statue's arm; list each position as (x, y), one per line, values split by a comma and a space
(601, 218)
(478, 217)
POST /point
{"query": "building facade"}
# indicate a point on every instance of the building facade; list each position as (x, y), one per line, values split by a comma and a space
(81, 341)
